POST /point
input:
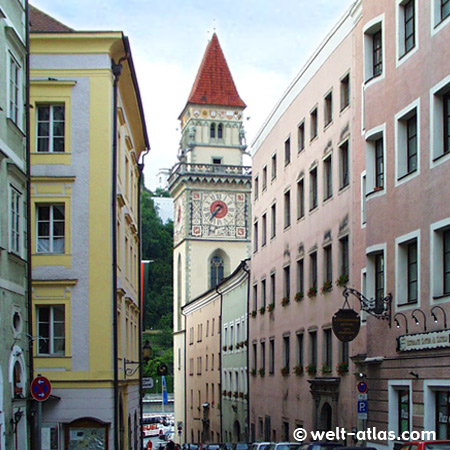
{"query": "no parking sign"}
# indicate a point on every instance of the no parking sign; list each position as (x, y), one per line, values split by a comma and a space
(40, 389)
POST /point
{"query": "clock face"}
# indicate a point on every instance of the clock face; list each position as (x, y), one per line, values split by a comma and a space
(218, 209)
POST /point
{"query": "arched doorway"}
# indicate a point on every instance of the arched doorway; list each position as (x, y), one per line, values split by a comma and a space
(236, 431)
(325, 418)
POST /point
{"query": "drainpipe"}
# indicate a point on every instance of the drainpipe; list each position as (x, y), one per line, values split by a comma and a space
(244, 267)
(141, 293)
(220, 362)
(28, 225)
(116, 70)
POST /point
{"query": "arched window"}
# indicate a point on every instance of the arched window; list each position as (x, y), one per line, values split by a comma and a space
(220, 131)
(217, 270)
(212, 131)
(17, 380)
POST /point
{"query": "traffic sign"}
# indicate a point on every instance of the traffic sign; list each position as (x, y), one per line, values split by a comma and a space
(362, 409)
(362, 396)
(40, 389)
(362, 387)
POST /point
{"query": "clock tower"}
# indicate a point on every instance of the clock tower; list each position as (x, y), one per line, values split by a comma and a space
(211, 190)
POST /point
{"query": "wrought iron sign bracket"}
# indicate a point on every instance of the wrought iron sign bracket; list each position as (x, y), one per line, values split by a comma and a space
(381, 308)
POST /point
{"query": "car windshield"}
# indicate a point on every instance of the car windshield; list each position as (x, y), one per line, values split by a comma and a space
(438, 446)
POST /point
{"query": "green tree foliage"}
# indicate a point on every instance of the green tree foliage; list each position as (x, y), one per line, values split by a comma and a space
(157, 246)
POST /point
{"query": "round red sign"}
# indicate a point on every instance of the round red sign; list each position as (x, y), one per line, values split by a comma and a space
(40, 389)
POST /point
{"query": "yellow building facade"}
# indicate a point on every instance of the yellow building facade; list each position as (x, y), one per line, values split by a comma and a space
(87, 134)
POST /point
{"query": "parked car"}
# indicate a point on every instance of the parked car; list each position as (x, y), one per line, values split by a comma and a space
(187, 446)
(259, 446)
(284, 446)
(226, 446)
(329, 445)
(240, 446)
(426, 445)
(212, 447)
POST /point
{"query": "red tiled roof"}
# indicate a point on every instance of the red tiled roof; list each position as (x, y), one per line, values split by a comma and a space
(214, 84)
(43, 23)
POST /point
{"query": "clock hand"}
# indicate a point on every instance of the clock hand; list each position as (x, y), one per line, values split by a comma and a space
(216, 211)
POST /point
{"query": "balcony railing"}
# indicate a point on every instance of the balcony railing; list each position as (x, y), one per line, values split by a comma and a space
(208, 169)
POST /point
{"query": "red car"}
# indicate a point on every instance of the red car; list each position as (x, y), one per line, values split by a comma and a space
(426, 445)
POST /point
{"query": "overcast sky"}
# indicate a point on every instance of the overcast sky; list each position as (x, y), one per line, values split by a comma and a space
(265, 42)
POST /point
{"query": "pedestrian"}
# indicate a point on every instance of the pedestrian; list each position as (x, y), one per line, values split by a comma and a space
(170, 446)
(149, 444)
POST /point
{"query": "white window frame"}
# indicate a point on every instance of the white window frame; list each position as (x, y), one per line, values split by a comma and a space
(51, 330)
(393, 387)
(51, 121)
(400, 144)
(364, 292)
(363, 199)
(371, 136)
(370, 266)
(369, 30)
(51, 236)
(327, 162)
(436, 261)
(18, 250)
(400, 32)
(401, 267)
(429, 400)
(437, 155)
(436, 23)
(11, 56)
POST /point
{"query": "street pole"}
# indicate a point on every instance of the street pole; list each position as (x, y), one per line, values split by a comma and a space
(162, 395)
(39, 425)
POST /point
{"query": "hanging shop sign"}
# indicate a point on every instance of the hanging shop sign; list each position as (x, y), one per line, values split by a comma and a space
(346, 323)
(423, 341)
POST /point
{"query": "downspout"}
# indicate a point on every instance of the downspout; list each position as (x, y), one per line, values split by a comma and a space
(220, 362)
(141, 293)
(244, 267)
(116, 70)
(28, 225)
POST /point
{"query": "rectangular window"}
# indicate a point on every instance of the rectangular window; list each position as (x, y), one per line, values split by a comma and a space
(328, 109)
(286, 352)
(286, 282)
(300, 358)
(344, 356)
(328, 179)
(272, 288)
(15, 220)
(403, 410)
(408, 26)
(287, 151)
(442, 427)
(344, 263)
(446, 117)
(264, 230)
(255, 297)
(287, 209)
(313, 123)
(313, 189)
(301, 136)
(255, 237)
(274, 166)
(50, 128)
(328, 265)
(300, 199)
(191, 367)
(377, 54)
(255, 356)
(379, 276)
(256, 188)
(313, 270)
(263, 293)
(263, 355)
(344, 179)
(313, 347)
(327, 348)
(264, 178)
(286, 435)
(379, 164)
(345, 92)
(273, 224)
(411, 249)
(300, 277)
(271, 356)
(50, 228)
(14, 89)
(445, 9)
(446, 262)
(51, 330)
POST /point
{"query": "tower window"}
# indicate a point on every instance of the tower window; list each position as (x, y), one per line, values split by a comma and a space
(220, 131)
(217, 270)
(212, 131)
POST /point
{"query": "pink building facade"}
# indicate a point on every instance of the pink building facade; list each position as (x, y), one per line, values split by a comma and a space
(402, 211)
(300, 374)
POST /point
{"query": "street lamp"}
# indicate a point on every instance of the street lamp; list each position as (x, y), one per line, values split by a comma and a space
(146, 353)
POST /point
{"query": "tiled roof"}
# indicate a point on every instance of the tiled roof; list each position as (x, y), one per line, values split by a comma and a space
(43, 23)
(214, 84)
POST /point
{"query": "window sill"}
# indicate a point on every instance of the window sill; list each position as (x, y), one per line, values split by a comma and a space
(328, 125)
(313, 209)
(16, 127)
(376, 191)
(344, 109)
(312, 139)
(441, 297)
(344, 188)
(437, 158)
(17, 258)
(328, 199)
(372, 78)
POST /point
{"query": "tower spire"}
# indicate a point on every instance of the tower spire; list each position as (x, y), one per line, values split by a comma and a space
(214, 84)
